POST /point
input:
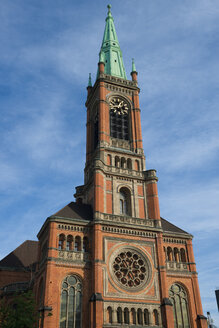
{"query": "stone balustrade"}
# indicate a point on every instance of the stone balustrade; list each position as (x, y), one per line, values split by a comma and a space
(128, 220)
(74, 256)
(176, 266)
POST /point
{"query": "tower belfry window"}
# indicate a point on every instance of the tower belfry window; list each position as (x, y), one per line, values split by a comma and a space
(119, 119)
(124, 201)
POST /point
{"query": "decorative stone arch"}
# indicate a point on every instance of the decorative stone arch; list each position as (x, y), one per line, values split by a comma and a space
(123, 185)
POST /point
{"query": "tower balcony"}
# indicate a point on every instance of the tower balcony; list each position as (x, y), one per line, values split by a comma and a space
(73, 256)
(176, 266)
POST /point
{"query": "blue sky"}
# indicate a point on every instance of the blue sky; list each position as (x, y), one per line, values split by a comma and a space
(47, 50)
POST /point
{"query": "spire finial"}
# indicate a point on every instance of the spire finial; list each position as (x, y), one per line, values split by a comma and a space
(89, 81)
(133, 65)
(109, 11)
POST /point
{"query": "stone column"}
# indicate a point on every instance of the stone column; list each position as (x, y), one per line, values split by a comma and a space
(114, 316)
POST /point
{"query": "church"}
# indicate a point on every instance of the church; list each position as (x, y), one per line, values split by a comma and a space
(109, 259)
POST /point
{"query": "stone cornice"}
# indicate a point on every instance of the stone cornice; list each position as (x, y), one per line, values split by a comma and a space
(66, 221)
(127, 221)
(177, 235)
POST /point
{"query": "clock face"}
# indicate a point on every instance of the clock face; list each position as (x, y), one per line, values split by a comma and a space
(130, 269)
(119, 106)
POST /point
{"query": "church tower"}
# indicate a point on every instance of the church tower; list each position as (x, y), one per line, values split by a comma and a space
(109, 259)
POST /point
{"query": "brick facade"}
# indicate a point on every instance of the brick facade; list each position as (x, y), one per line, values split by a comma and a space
(112, 238)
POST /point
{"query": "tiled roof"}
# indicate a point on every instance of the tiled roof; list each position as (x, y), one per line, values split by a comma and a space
(23, 256)
(169, 227)
(76, 211)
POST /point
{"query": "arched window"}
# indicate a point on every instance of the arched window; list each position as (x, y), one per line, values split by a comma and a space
(61, 241)
(183, 255)
(69, 243)
(85, 244)
(123, 162)
(129, 163)
(119, 125)
(169, 254)
(176, 254)
(133, 317)
(125, 201)
(146, 317)
(119, 315)
(126, 316)
(77, 244)
(117, 161)
(179, 300)
(109, 315)
(139, 315)
(156, 318)
(71, 304)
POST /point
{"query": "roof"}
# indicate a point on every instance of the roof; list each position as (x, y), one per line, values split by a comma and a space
(110, 52)
(23, 256)
(76, 211)
(169, 227)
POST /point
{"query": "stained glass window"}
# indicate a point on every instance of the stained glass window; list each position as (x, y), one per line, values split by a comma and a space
(179, 300)
(70, 310)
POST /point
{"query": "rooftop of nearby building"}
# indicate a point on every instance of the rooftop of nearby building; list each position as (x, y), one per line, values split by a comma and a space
(24, 256)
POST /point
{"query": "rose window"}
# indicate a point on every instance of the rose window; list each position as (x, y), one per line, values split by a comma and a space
(130, 268)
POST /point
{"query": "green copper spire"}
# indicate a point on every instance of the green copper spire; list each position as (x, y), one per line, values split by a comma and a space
(89, 81)
(133, 66)
(110, 52)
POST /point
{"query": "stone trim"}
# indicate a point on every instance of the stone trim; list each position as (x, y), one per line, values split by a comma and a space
(73, 228)
(176, 266)
(150, 223)
(174, 241)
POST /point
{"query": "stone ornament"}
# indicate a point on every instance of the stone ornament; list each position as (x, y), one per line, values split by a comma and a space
(131, 269)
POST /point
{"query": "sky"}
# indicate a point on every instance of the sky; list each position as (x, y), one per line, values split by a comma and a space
(48, 48)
